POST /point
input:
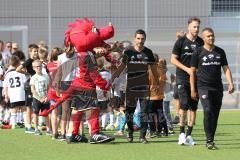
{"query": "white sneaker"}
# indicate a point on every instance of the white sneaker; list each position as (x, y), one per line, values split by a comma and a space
(182, 139)
(190, 141)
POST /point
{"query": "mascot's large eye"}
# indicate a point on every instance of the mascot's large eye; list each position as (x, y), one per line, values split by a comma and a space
(95, 30)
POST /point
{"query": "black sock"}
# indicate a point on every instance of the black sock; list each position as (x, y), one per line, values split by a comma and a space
(182, 129)
(189, 131)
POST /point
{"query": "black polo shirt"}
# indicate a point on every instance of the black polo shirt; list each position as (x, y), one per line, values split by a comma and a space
(209, 66)
(184, 49)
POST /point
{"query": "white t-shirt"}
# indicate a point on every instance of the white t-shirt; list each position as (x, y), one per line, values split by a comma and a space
(120, 84)
(168, 91)
(1, 73)
(6, 55)
(14, 82)
(40, 82)
(100, 96)
(69, 66)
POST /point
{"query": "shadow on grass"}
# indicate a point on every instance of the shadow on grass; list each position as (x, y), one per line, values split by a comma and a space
(224, 134)
(136, 141)
(230, 148)
(228, 124)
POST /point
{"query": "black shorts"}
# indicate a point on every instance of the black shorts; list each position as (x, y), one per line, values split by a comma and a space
(210, 99)
(37, 106)
(175, 92)
(115, 102)
(155, 105)
(29, 99)
(186, 102)
(103, 105)
(59, 108)
(82, 100)
(17, 104)
(1, 96)
(64, 85)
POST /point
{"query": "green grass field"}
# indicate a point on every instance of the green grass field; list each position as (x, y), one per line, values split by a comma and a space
(16, 145)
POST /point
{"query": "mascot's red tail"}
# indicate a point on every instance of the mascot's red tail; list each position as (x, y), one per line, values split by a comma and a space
(46, 112)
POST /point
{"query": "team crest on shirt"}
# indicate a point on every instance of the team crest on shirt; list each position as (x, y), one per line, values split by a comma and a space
(210, 56)
(140, 56)
(204, 96)
(218, 57)
(179, 86)
(193, 46)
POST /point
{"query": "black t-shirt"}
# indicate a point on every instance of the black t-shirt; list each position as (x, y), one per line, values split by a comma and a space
(184, 49)
(28, 64)
(132, 56)
(209, 66)
(137, 71)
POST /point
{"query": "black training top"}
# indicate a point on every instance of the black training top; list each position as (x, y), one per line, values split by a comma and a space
(134, 56)
(137, 71)
(184, 49)
(209, 66)
(28, 64)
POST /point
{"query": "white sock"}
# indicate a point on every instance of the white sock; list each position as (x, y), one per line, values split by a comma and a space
(1, 113)
(69, 134)
(111, 116)
(21, 119)
(18, 118)
(13, 119)
(104, 118)
(6, 115)
(41, 120)
(117, 118)
(28, 126)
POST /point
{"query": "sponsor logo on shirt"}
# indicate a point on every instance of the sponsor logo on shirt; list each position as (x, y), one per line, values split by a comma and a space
(211, 63)
(188, 53)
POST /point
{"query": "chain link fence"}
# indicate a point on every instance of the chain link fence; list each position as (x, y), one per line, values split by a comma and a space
(47, 20)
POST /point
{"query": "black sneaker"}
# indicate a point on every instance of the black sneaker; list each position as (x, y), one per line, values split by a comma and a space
(211, 146)
(38, 132)
(176, 120)
(103, 128)
(62, 138)
(5, 122)
(151, 134)
(143, 140)
(54, 136)
(20, 125)
(164, 133)
(171, 131)
(129, 138)
(100, 138)
(49, 133)
(30, 130)
(76, 139)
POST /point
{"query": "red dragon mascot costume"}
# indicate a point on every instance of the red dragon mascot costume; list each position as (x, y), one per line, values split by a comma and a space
(85, 37)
